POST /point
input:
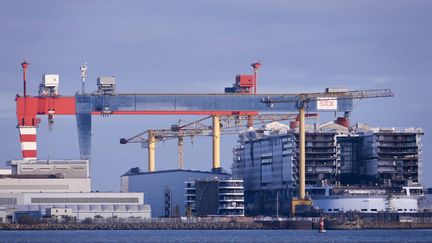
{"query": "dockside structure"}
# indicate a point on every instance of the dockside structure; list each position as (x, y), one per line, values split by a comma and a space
(165, 189)
(211, 197)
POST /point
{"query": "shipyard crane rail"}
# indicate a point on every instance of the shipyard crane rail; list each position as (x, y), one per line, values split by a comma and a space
(326, 100)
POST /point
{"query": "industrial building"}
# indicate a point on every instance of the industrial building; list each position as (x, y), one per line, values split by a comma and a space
(40, 185)
(165, 190)
(46, 176)
(82, 205)
(267, 160)
(210, 197)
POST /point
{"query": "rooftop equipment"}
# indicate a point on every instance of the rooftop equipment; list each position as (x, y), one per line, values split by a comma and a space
(106, 85)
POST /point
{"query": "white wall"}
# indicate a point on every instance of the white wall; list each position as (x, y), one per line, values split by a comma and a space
(14, 185)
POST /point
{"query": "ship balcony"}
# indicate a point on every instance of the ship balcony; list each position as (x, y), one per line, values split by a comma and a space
(391, 151)
(397, 145)
(311, 151)
(317, 157)
(397, 139)
(232, 185)
(231, 199)
(403, 157)
(231, 193)
(230, 207)
(326, 145)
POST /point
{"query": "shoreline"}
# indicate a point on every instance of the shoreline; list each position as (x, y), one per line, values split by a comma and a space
(213, 226)
(136, 226)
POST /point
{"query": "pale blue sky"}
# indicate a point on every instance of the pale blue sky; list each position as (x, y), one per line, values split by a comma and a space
(199, 46)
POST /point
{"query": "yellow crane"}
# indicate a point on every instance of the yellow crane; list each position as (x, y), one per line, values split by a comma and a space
(221, 125)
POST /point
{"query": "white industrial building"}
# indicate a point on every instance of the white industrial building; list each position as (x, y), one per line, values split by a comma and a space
(46, 176)
(41, 185)
(21, 185)
(82, 205)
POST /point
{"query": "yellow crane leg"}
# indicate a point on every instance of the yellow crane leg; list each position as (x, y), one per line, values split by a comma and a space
(301, 200)
(216, 142)
(151, 151)
(302, 163)
(180, 143)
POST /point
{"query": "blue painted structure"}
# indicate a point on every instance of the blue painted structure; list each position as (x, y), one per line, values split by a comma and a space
(88, 104)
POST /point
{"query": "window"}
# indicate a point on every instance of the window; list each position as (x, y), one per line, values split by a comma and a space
(364, 210)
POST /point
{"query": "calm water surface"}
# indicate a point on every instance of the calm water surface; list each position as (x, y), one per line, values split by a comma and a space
(217, 236)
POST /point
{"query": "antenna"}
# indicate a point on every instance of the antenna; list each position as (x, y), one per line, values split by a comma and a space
(25, 65)
(255, 66)
(83, 70)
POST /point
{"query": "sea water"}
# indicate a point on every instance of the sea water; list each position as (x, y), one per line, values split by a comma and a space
(202, 236)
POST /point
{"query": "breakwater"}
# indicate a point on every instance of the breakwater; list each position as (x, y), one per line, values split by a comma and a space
(385, 220)
(137, 226)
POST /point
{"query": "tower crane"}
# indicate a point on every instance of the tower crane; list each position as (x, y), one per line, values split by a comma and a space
(231, 125)
(323, 101)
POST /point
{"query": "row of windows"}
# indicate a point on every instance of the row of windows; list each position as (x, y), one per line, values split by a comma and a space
(112, 200)
(8, 200)
(373, 210)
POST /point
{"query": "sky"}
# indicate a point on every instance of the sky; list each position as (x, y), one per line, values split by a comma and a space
(199, 46)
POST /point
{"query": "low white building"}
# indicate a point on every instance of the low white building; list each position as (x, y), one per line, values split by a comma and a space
(47, 185)
(80, 205)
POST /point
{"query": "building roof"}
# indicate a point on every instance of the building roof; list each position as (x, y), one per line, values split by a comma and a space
(135, 171)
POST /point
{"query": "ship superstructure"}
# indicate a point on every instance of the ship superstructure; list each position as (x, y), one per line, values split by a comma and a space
(336, 155)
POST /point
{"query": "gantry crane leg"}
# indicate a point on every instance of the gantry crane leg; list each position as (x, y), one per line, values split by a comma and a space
(216, 142)
(301, 200)
(151, 151)
(180, 143)
(302, 163)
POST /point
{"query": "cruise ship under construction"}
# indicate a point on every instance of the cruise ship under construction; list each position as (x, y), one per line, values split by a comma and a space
(348, 168)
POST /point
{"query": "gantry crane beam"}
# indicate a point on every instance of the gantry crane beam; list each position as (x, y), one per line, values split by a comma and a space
(87, 105)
